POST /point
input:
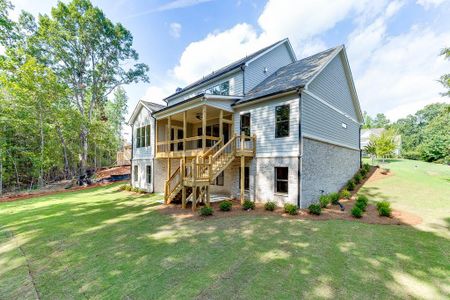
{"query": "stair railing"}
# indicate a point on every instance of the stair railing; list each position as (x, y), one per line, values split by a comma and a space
(172, 183)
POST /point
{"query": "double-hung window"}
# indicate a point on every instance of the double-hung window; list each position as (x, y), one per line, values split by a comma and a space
(282, 113)
(149, 174)
(281, 180)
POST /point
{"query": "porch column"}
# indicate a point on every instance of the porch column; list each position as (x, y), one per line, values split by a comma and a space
(204, 128)
(168, 134)
(242, 178)
(156, 136)
(221, 124)
(184, 132)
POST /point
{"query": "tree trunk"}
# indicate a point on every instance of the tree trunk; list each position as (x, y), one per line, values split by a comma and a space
(1, 172)
(66, 160)
(41, 131)
(84, 150)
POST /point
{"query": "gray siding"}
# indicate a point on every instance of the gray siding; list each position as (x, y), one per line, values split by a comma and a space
(323, 122)
(236, 87)
(262, 119)
(332, 86)
(273, 60)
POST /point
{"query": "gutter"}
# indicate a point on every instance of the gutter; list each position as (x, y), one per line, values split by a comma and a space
(132, 148)
(360, 150)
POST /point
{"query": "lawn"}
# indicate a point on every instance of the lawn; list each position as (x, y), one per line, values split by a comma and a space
(101, 243)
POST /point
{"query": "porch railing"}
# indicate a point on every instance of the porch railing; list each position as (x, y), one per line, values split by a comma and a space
(191, 143)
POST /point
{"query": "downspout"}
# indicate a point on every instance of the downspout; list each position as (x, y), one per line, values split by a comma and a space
(154, 152)
(300, 151)
(243, 79)
(132, 148)
(360, 150)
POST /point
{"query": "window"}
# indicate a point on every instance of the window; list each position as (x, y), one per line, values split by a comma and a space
(245, 124)
(149, 174)
(220, 179)
(246, 178)
(143, 136)
(282, 121)
(220, 89)
(138, 137)
(281, 180)
(147, 135)
(136, 172)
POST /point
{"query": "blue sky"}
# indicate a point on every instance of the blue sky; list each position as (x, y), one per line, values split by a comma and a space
(393, 46)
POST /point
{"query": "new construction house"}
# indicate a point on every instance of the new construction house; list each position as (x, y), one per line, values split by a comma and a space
(267, 127)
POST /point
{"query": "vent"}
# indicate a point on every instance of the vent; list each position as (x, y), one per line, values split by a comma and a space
(178, 90)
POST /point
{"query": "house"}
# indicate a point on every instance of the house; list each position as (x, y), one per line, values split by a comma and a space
(267, 127)
(366, 134)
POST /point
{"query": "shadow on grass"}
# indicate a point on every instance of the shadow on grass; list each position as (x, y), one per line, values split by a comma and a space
(122, 248)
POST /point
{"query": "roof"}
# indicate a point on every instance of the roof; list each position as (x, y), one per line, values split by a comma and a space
(293, 76)
(151, 106)
(228, 68)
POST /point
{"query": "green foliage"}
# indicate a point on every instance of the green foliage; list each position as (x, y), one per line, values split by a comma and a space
(124, 187)
(291, 209)
(357, 178)
(206, 211)
(380, 121)
(350, 185)
(357, 212)
(362, 172)
(315, 209)
(445, 79)
(334, 198)
(361, 205)
(363, 199)
(384, 208)
(270, 206)
(248, 205)
(128, 188)
(225, 205)
(345, 194)
(136, 190)
(366, 167)
(324, 200)
(384, 145)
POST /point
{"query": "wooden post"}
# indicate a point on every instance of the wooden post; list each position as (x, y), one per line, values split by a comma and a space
(184, 132)
(242, 178)
(221, 125)
(242, 141)
(168, 137)
(183, 197)
(194, 197)
(208, 197)
(156, 136)
(204, 128)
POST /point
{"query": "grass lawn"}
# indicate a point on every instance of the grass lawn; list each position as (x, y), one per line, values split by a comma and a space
(101, 243)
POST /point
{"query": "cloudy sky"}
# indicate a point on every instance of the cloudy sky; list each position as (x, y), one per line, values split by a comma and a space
(393, 46)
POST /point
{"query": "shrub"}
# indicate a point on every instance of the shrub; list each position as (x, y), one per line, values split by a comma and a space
(357, 178)
(363, 199)
(136, 190)
(270, 206)
(363, 172)
(315, 209)
(248, 205)
(206, 211)
(357, 211)
(226, 206)
(384, 208)
(290, 208)
(324, 200)
(334, 198)
(345, 194)
(123, 187)
(129, 188)
(361, 205)
(366, 167)
(142, 191)
(350, 185)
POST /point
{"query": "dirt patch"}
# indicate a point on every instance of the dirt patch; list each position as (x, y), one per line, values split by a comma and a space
(35, 194)
(332, 212)
(106, 173)
(378, 173)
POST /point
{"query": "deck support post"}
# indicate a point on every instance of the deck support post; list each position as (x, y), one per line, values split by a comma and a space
(204, 128)
(194, 198)
(242, 178)
(221, 126)
(183, 197)
(168, 137)
(208, 196)
(184, 132)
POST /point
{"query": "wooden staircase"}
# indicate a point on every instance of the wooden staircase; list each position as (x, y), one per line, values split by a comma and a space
(192, 180)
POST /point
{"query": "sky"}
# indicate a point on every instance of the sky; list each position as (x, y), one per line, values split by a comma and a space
(393, 46)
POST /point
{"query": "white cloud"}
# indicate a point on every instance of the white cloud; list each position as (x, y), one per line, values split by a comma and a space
(175, 30)
(427, 4)
(176, 4)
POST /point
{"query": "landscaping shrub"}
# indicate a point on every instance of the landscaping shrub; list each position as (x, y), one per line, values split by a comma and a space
(136, 190)
(142, 191)
(123, 187)
(345, 194)
(384, 208)
(129, 188)
(361, 205)
(206, 211)
(270, 206)
(363, 198)
(357, 178)
(350, 185)
(324, 200)
(363, 172)
(357, 211)
(366, 167)
(334, 198)
(315, 209)
(291, 209)
(248, 205)
(226, 206)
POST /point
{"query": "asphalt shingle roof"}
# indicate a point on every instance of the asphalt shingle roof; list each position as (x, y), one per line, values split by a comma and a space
(221, 71)
(153, 106)
(292, 76)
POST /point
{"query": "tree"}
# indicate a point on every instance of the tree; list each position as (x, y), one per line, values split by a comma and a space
(371, 149)
(368, 121)
(382, 146)
(381, 121)
(445, 79)
(90, 55)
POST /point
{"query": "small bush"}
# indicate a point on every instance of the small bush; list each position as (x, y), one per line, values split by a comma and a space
(226, 206)
(315, 209)
(363, 172)
(206, 211)
(345, 194)
(357, 211)
(142, 191)
(350, 185)
(366, 167)
(384, 208)
(136, 190)
(324, 200)
(357, 178)
(363, 199)
(123, 187)
(248, 205)
(361, 205)
(334, 198)
(291, 209)
(270, 206)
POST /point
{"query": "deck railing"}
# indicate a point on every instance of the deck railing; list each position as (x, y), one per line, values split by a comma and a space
(191, 143)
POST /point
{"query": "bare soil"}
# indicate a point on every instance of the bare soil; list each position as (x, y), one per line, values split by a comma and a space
(106, 173)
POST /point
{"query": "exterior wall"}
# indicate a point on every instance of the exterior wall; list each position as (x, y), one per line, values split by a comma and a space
(144, 118)
(236, 87)
(262, 119)
(228, 180)
(141, 180)
(332, 86)
(160, 172)
(273, 60)
(321, 121)
(326, 168)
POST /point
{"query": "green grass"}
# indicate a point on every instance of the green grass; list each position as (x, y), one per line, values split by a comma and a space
(105, 244)
(417, 187)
